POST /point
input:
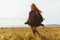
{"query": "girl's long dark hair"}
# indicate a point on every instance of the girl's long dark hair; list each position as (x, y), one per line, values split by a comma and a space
(36, 8)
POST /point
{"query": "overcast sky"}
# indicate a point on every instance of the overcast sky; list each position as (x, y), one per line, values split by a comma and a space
(15, 12)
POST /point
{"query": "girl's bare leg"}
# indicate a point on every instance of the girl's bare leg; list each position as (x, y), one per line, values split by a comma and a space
(35, 31)
(38, 33)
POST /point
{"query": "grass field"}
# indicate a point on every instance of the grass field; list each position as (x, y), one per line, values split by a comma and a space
(48, 33)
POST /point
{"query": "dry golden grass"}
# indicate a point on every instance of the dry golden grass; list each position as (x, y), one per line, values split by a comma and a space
(48, 33)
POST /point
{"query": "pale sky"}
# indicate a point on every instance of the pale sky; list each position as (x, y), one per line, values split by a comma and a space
(15, 12)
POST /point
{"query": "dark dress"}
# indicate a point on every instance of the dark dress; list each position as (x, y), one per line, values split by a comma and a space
(34, 20)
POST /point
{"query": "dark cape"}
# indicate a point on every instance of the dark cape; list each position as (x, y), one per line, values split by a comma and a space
(34, 20)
